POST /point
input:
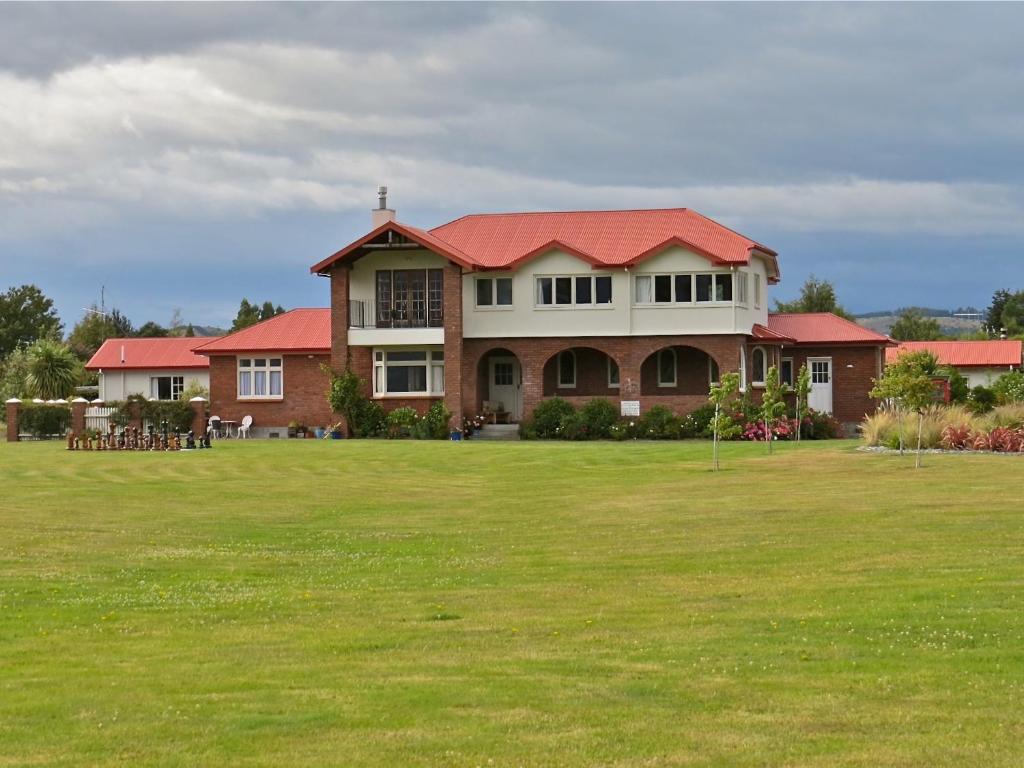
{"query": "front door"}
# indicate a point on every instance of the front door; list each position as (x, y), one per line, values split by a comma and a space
(505, 385)
(820, 397)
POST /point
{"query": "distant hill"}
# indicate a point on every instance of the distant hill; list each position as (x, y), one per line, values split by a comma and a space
(200, 330)
(882, 322)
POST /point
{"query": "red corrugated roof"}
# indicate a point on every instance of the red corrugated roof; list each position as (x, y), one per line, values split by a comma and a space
(602, 238)
(300, 330)
(174, 352)
(610, 238)
(762, 333)
(985, 354)
(823, 328)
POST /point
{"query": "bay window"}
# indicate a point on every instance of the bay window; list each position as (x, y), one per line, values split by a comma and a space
(260, 378)
(408, 372)
(684, 288)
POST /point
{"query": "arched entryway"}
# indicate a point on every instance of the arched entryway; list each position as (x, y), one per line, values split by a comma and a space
(581, 371)
(500, 385)
(677, 370)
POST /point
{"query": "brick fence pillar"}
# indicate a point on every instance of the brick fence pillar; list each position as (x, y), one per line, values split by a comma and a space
(13, 406)
(198, 416)
(78, 406)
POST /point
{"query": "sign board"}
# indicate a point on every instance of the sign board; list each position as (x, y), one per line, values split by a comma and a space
(630, 407)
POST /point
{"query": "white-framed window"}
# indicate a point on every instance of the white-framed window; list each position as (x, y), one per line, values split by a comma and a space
(742, 287)
(743, 369)
(613, 373)
(757, 291)
(758, 366)
(713, 374)
(166, 387)
(682, 288)
(786, 371)
(580, 291)
(567, 369)
(666, 368)
(260, 378)
(408, 372)
(493, 292)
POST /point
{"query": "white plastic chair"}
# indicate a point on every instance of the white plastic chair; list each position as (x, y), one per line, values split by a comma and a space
(213, 426)
(243, 428)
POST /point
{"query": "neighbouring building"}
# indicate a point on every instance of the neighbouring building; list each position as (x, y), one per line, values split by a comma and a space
(495, 312)
(980, 362)
(158, 368)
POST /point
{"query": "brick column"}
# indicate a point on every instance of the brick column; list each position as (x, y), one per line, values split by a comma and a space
(78, 406)
(532, 364)
(453, 396)
(198, 416)
(13, 406)
(630, 362)
(340, 274)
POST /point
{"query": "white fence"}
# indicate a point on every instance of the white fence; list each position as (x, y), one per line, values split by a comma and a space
(98, 417)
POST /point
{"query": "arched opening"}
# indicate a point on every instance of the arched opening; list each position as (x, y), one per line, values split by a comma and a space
(677, 370)
(581, 371)
(499, 378)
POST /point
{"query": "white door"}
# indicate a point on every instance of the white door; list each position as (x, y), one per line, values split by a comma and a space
(505, 384)
(820, 398)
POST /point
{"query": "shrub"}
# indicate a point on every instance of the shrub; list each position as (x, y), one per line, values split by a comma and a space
(876, 427)
(43, 420)
(548, 416)
(659, 423)
(177, 414)
(1009, 388)
(401, 422)
(1010, 415)
(820, 426)
(956, 437)
(433, 426)
(698, 423)
(598, 416)
(782, 429)
(364, 417)
(981, 400)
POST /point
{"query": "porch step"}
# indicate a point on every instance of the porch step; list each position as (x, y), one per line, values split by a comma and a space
(498, 432)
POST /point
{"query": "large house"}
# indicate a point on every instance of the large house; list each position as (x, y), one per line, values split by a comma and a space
(499, 311)
(980, 362)
(158, 369)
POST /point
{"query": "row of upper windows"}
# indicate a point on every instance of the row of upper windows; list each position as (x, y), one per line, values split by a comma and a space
(685, 288)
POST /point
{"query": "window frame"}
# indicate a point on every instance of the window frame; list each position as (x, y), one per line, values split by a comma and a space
(742, 288)
(176, 385)
(675, 368)
(673, 278)
(494, 305)
(792, 371)
(713, 368)
(252, 369)
(573, 304)
(757, 291)
(612, 364)
(432, 363)
(755, 382)
(558, 371)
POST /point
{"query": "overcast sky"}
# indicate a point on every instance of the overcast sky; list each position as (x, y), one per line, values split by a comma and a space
(189, 155)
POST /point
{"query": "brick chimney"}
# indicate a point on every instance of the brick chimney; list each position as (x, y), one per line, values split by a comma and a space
(382, 214)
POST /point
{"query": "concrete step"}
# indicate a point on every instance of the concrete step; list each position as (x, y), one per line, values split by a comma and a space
(498, 432)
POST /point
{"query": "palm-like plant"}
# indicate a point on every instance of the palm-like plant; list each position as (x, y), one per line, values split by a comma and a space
(52, 370)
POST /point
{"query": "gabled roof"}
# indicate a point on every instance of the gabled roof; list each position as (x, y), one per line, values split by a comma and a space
(137, 354)
(300, 330)
(601, 238)
(823, 328)
(965, 354)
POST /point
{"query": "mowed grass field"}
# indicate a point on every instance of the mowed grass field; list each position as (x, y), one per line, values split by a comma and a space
(521, 604)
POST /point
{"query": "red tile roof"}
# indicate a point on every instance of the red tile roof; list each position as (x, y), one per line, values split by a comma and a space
(300, 330)
(131, 354)
(602, 238)
(964, 354)
(823, 328)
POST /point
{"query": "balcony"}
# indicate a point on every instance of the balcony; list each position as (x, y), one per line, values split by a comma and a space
(370, 327)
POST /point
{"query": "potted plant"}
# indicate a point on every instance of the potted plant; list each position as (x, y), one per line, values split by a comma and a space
(301, 431)
(293, 428)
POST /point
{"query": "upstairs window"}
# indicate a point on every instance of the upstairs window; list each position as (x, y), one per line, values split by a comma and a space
(576, 290)
(410, 298)
(757, 291)
(742, 287)
(494, 291)
(260, 378)
(684, 288)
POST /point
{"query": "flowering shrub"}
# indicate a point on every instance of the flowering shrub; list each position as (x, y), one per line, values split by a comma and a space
(659, 423)
(783, 429)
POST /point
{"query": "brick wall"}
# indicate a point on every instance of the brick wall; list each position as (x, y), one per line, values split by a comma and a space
(853, 369)
(305, 393)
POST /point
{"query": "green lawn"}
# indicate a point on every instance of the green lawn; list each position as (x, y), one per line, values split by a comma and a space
(519, 604)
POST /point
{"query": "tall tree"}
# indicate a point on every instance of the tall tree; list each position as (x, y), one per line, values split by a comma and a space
(815, 296)
(250, 314)
(152, 330)
(96, 327)
(1013, 314)
(994, 313)
(26, 314)
(912, 325)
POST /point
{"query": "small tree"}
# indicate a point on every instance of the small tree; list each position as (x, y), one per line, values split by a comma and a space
(772, 404)
(722, 425)
(909, 384)
(803, 393)
(52, 370)
(346, 397)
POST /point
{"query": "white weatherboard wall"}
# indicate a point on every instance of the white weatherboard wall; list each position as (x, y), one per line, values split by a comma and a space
(982, 377)
(622, 317)
(117, 385)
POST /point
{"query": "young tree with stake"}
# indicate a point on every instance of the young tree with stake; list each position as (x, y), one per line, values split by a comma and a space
(722, 425)
(803, 392)
(772, 404)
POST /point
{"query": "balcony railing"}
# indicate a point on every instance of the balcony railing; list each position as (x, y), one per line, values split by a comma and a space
(364, 314)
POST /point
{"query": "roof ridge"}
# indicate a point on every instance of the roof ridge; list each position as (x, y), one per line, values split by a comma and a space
(576, 210)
